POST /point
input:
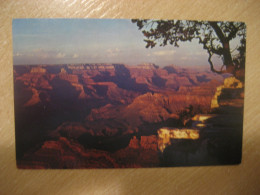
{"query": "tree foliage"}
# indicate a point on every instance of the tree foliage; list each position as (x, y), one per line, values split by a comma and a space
(214, 36)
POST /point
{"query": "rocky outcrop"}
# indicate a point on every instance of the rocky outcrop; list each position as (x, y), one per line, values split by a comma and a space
(63, 71)
(79, 87)
(158, 107)
(34, 99)
(64, 153)
(100, 67)
(134, 143)
(149, 142)
(71, 130)
(69, 77)
(151, 108)
(141, 152)
(231, 92)
(166, 135)
(147, 66)
(146, 142)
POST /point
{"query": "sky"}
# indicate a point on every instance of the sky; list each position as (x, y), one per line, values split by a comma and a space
(72, 41)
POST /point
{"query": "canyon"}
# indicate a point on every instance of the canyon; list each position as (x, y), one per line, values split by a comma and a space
(109, 115)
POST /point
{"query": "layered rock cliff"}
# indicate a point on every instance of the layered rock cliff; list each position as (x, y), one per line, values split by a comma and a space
(102, 115)
(66, 154)
(230, 93)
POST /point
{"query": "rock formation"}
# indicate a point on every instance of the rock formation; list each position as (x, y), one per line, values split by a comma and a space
(66, 154)
(166, 135)
(104, 115)
(233, 88)
(37, 70)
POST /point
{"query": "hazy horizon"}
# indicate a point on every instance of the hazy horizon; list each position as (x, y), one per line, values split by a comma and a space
(87, 41)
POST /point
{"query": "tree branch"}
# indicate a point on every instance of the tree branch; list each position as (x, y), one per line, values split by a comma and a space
(219, 32)
(212, 66)
(233, 32)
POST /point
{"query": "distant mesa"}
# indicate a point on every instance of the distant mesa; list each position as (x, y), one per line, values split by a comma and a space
(73, 67)
(38, 70)
(69, 77)
(147, 66)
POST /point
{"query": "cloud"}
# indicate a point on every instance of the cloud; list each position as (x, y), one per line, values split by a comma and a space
(39, 53)
(113, 52)
(75, 55)
(60, 55)
(40, 56)
(164, 52)
(44, 54)
(17, 54)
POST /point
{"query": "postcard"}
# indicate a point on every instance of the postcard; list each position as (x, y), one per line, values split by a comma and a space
(121, 93)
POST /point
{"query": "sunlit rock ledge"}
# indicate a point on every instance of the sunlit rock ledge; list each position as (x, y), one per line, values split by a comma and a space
(199, 120)
(202, 117)
(229, 83)
(166, 135)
